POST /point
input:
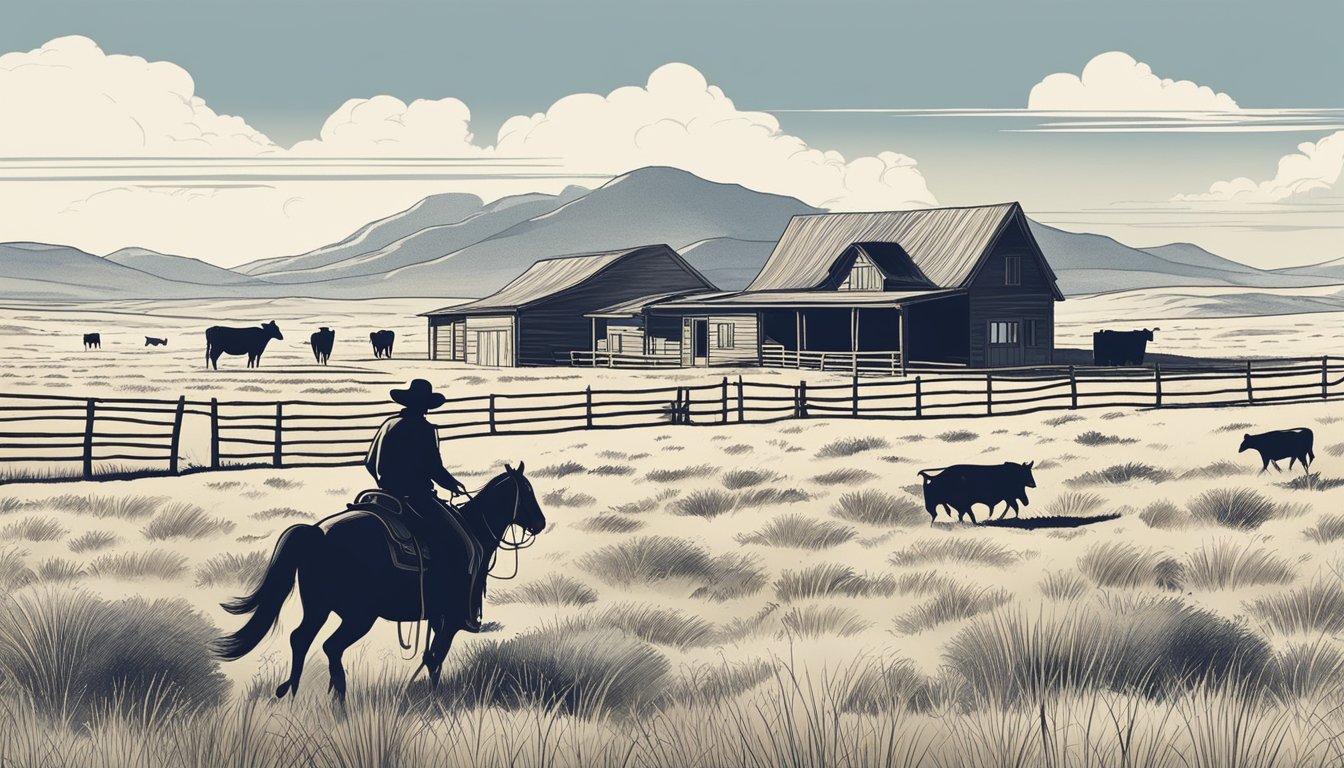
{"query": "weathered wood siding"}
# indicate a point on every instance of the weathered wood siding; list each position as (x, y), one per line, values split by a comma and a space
(477, 323)
(992, 300)
(745, 332)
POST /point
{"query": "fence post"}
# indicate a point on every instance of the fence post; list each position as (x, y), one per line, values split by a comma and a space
(278, 457)
(919, 397)
(741, 402)
(1073, 389)
(177, 434)
(989, 393)
(1157, 383)
(214, 433)
(802, 399)
(723, 400)
(588, 406)
(491, 413)
(854, 409)
(1250, 387)
(1325, 380)
(88, 438)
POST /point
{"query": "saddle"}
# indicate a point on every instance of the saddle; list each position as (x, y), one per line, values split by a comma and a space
(406, 549)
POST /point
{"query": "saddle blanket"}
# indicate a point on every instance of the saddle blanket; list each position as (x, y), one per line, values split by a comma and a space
(405, 549)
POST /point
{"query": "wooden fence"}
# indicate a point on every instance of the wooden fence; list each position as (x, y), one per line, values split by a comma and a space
(55, 434)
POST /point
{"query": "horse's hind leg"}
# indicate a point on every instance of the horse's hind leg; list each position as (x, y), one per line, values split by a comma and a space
(352, 628)
(299, 642)
(438, 651)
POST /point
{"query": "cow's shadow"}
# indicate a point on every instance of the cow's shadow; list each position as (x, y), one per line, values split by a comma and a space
(1047, 522)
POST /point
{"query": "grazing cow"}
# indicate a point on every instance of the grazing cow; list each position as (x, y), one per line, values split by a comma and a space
(1291, 444)
(382, 342)
(220, 340)
(1120, 347)
(321, 342)
(150, 341)
(961, 486)
(93, 340)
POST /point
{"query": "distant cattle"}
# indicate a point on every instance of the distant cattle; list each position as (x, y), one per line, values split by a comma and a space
(382, 342)
(221, 340)
(150, 341)
(1120, 347)
(322, 341)
(93, 340)
(961, 486)
(1291, 444)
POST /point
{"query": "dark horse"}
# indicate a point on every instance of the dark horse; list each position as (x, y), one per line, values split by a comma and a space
(347, 568)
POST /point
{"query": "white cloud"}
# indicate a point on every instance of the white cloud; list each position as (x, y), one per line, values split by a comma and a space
(1115, 81)
(1315, 167)
(70, 98)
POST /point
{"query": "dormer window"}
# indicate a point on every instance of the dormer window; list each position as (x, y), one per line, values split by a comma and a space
(864, 277)
(1012, 270)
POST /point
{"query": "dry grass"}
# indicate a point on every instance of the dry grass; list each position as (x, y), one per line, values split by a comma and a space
(1117, 474)
(561, 497)
(1125, 565)
(964, 551)
(1328, 528)
(849, 446)
(822, 620)
(181, 520)
(554, 589)
(92, 541)
(1164, 515)
(1226, 564)
(1315, 607)
(956, 436)
(828, 580)
(1063, 585)
(559, 470)
(1240, 508)
(707, 503)
(1074, 504)
(274, 513)
(610, 523)
(233, 570)
(684, 473)
(33, 528)
(850, 476)
(1093, 438)
(872, 507)
(132, 566)
(798, 531)
(956, 603)
(737, 479)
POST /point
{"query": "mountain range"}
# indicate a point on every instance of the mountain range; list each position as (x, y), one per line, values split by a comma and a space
(455, 245)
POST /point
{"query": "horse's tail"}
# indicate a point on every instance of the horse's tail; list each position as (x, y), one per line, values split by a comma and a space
(266, 600)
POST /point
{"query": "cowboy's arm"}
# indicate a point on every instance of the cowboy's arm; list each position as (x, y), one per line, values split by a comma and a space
(440, 474)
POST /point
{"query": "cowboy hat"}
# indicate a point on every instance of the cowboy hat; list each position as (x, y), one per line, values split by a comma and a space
(420, 395)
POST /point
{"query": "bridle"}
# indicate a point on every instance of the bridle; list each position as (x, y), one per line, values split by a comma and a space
(514, 545)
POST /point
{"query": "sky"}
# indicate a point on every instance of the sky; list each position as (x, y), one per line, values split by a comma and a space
(232, 131)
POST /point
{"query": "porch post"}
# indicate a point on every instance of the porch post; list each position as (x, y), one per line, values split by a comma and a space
(904, 329)
(854, 339)
(593, 347)
(798, 338)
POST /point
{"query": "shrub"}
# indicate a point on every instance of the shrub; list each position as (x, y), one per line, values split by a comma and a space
(233, 570)
(1165, 516)
(186, 521)
(1226, 565)
(554, 589)
(560, 470)
(33, 529)
(873, 507)
(561, 497)
(850, 476)
(959, 602)
(746, 478)
(684, 473)
(1328, 528)
(830, 580)
(1095, 438)
(610, 523)
(1314, 607)
(1122, 473)
(1120, 564)
(1233, 508)
(969, 551)
(1151, 648)
(585, 673)
(76, 654)
(818, 620)
(800, 532)
(848, 446)
(155, 563)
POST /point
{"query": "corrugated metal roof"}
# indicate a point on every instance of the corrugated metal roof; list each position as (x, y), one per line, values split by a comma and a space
(544, 279)
(946, 244)
(636, 306)
(753, 299)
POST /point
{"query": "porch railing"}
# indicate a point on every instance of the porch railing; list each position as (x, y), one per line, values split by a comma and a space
(887, 362)
(604, 359)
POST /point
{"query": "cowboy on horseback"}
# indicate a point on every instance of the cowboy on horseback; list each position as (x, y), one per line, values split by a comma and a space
(404, 460)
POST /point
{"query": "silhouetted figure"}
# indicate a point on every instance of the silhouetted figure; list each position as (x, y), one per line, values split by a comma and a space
(221, 340)
(1292, 444)
(1120, 347)
(93, 341)
(382, 343)
(961, 486)
(150, 341)
(321, 342)
(347, 567)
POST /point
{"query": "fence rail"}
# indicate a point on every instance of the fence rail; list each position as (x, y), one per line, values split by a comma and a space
(102, 436)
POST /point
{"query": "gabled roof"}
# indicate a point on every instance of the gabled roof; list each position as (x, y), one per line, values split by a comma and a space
(550, 277)
(943, 245)
(751, 300)
(635, 307)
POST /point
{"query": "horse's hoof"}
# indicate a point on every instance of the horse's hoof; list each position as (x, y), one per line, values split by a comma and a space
(282, 690)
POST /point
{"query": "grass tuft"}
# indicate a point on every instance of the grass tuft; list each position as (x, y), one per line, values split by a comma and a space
(822, 620)
(684, 473)
(561, 497)
(850, 476)
(560, 470)
(956, 436)
(610, 523)
(1125, 565)
(967, 551)
(849, 446)
(1094, 438)
(1225, 564)
(1063, 585)
(554, 589)
(1240, 508)
(957, 603)
(131, 566)
(1074, 504)
(181, 520)
(1328, 528)
(1312, 608)
(746, 478)
(33, 529)
(827, 580)
(1117, 474)
(233, 570)
(799, 531)
(1164, 515)
(873, 507)
(708, 503)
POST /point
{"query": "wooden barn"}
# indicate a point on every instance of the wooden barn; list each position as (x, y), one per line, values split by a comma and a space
(540, 317)
(872, 291)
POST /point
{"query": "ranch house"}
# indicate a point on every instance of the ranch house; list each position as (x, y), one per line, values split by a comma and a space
(540, 317)
(860, 291)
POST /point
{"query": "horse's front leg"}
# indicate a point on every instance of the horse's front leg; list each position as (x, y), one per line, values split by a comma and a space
(438, 651)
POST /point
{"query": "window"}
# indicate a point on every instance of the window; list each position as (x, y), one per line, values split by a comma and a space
(1012, 270)
(615, 343)
(863, 277)
(725, 334)
(1003, 332)
(1033, 331)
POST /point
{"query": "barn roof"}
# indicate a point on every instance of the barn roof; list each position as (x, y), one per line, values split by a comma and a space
(635, 307)
(549, 277)
(755, 299)
(939, 247)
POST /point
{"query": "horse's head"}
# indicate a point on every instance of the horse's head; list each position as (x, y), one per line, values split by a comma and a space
(272, 330)
(526, 512)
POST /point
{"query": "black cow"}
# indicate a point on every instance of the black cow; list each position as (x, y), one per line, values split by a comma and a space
(1291, 444)
(1120, 347)
(93, 340)
(150, 341)
(321, 341)
(382, 342)
(961, 486)
(220, 340)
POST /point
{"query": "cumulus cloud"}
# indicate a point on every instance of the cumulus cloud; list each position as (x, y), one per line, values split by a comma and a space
(1315, 167)
(70, 98)
(385, 126)
(1115, 81)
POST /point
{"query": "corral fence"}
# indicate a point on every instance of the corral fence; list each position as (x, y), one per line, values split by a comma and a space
(69, 437)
